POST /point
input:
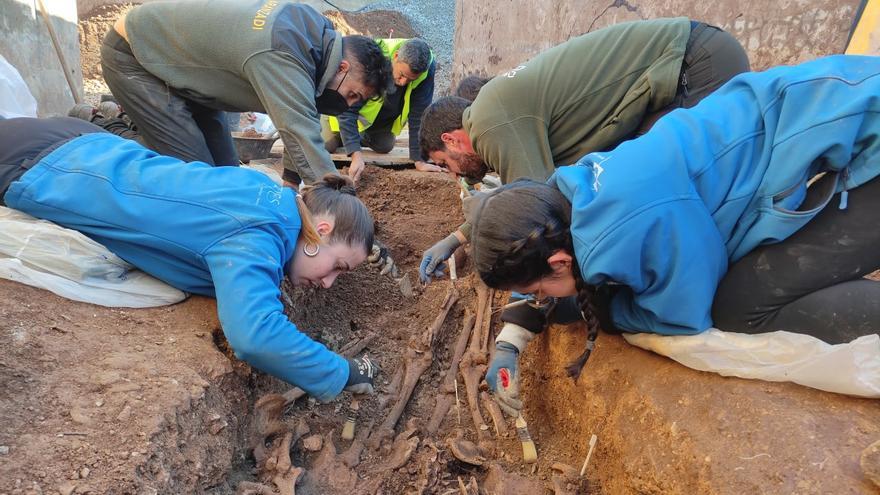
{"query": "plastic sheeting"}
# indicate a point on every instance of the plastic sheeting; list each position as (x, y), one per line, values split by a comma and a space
(66, 262)
(15, 97)
(852, 369)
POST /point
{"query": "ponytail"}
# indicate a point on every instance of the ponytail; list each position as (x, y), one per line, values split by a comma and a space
(307, 228)
(335, 196)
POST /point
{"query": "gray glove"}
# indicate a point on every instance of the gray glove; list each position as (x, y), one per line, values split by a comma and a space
(379, 258)
(435, 255)
(361, 372)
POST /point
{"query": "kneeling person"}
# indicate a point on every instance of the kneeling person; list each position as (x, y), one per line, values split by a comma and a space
(376, 123)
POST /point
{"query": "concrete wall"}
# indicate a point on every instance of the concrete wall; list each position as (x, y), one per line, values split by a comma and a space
(25, 42)
(491, 37)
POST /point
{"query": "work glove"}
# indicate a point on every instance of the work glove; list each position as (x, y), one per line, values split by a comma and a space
(361, 373)
(503, 378)
(431, 265)
(381, 260)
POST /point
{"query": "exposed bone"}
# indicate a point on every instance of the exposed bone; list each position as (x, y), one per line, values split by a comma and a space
(328, 473)
(495, 413)
(404, 446)
(470, 489)
(286, 474)
(350, 350)
(486, 331)
(499, 481)
(352, 456)
(473, 367)
(465, 450)
(417, 361)
(267, 423)
(252, 488)
(444, 400)
(482, 302)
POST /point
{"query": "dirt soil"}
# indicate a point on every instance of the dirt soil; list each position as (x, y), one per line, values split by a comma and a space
(93, 26)
(98, 400)
(375, 24)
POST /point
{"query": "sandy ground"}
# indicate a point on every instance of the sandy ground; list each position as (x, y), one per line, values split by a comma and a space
(98, 400)
(151, 401)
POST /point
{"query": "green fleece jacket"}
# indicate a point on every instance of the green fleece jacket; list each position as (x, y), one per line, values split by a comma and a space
(271, 56)
(587, 94)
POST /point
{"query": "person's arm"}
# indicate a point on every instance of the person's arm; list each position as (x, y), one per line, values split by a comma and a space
(247, 272)
(419, 100)
(669, 259)
(288, 95)
(348, 129)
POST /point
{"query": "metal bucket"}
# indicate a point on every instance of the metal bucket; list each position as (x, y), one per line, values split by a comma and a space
(253, 148)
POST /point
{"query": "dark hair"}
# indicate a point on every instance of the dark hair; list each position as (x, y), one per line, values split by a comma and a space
(375, 68)
(416, 54)
(515, 229)
(470, 86)
(444, 115)
(334, 195)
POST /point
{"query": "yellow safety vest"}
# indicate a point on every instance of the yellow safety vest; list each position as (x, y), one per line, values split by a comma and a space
(370, 110)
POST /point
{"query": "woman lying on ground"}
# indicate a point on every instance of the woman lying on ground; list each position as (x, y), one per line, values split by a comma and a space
(707, 220)
(224, 232)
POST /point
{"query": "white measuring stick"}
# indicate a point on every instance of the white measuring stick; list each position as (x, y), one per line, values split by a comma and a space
(589, 453)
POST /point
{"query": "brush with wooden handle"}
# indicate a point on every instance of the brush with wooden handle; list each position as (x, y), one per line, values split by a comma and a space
(350, 420)
(508, 386)
(530, 453)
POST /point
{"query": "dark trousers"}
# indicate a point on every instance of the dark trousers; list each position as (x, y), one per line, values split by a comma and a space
(712, 57)
(380, 140)
(812, 282)
(167, 122)
(25, 141)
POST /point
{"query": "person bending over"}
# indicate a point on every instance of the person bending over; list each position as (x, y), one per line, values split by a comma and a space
(757, 210)
(233, 237)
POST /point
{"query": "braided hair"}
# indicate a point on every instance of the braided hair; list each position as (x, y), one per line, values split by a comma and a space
(515, 229)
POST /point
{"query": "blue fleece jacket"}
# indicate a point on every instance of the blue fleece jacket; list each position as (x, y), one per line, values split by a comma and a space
(225, 232)
(664, 214)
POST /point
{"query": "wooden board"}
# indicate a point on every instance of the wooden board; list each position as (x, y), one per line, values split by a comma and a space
(398, 157)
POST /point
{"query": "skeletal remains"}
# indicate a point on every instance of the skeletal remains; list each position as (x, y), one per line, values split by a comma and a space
(469, 358)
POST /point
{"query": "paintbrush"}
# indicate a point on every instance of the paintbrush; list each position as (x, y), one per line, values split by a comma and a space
(351, 417)
(530, 453)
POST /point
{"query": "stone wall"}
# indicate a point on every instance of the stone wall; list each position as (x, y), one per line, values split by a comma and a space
(25, 43)
(491, 37)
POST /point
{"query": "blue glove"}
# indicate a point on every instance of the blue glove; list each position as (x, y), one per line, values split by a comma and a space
(503, 378)
(431, 265)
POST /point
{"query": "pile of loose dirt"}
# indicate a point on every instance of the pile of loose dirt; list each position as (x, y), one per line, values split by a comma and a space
(92, 29)
(375, 24)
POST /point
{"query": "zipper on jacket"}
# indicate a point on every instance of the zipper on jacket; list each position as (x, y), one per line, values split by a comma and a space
(844, 195)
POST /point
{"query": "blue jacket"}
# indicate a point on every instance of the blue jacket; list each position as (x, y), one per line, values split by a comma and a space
(664, 214)
(226, 232)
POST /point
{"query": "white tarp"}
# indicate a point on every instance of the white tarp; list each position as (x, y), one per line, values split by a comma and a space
(852, 369)
(15, 97)
(42, 254)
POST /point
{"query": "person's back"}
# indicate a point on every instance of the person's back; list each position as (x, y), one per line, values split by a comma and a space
(202, 47)
(723, 179)
(192, 206)
(580, 96)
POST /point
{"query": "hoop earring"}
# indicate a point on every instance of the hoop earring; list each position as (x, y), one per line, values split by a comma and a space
(311, 254)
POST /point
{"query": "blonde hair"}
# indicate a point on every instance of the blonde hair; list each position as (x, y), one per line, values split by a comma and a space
(334, 195)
